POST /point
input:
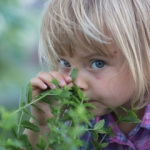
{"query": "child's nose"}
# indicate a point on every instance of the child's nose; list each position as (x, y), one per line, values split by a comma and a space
(81, 81)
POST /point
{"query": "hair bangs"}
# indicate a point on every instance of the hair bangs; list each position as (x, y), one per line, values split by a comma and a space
(67, 44)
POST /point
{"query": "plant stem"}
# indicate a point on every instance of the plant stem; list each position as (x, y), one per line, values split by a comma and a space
(20, 122)
(36, 100)
(103, 138)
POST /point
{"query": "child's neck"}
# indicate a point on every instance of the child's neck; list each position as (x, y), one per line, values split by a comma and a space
(126, 128)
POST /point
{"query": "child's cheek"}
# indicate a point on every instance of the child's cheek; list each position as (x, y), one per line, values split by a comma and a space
(115, 52)
(97, 78)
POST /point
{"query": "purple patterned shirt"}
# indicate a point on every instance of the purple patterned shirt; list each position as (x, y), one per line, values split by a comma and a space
(137, 139)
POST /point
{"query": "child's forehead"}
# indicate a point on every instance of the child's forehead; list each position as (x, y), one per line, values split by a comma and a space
(109, 50)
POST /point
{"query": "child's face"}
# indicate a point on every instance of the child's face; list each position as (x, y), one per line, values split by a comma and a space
(105, 80)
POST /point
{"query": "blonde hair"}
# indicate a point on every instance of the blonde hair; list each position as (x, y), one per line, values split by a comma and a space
(91, 24)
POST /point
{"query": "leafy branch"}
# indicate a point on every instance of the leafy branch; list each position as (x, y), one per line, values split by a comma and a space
(71, 120)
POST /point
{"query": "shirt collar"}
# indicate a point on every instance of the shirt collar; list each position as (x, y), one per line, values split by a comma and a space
(146, 118)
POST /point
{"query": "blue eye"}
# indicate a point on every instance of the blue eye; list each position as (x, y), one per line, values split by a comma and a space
(64, 63)
(97, 64)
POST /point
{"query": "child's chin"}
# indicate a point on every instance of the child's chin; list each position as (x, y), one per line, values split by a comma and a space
(98, 113)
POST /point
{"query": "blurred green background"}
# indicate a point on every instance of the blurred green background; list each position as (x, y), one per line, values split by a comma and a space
(19, 33)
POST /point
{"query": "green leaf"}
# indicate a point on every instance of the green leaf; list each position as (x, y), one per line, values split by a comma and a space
(77, 131)
(103, 145)
(21, 103)
(130, 119)
(80, 110)
(46, 100)
(74, 73)
(78, 142)
(88, 105)
(72, 103)
(123, 108)
(29, 93)
(26, 111)
(99, 125)
(42, 143)
(29, 125)
(66, 88)
(65, 92)
(8, 119)
(132, 113)
(13, 144)
(95, 144)
(65, 118)
(14, 132)
(52, 93)
(95, 134)
(81, 94)
(35, 106)
(109, 131)
(55, 82)
(25, 142)
(116, 113)
(75, 99)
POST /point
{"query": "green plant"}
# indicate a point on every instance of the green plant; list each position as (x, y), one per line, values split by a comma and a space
(71, 120)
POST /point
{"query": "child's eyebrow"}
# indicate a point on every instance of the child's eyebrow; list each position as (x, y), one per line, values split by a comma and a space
(89, 55)
(98, 55)
(92, 55)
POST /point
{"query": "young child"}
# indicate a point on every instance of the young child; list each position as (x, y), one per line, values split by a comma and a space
(109, 42)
